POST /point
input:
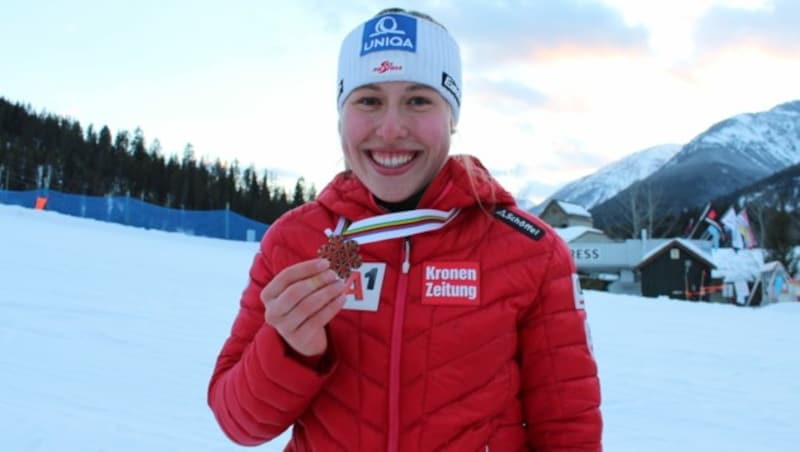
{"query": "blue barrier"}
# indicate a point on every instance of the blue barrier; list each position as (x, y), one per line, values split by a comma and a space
(129, 211)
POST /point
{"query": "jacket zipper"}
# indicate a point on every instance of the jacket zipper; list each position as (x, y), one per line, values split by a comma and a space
(396, 349)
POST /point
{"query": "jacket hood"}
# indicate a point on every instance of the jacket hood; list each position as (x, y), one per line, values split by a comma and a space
(462, 182)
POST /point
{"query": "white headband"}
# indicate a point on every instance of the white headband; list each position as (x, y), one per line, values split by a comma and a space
(400, 47)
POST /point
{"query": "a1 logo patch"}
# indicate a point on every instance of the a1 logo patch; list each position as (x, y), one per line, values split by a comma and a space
(451, 283)
(363, 287)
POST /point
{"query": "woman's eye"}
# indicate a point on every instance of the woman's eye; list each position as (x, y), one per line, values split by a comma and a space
(368, 101)
(419, 101)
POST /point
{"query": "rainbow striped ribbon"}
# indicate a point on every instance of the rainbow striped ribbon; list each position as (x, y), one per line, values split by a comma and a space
(393, 225)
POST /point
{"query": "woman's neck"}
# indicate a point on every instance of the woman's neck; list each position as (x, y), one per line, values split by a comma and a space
(409, 203)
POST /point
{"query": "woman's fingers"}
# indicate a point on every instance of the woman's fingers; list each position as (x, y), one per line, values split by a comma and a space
(300, 300)
(302, 292)
(291, 274)
(320, 318)
(299, 279)
(304, 310)
(313, 289)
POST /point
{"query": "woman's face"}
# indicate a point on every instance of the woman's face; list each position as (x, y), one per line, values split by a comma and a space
(395, 137)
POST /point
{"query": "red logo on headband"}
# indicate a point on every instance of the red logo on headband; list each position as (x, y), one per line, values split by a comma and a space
(387, 66)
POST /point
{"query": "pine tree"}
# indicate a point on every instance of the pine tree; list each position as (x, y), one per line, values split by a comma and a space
(299, 196)
(104, 164)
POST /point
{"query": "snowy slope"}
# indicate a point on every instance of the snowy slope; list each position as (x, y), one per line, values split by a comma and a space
(595, 188)
(109, 335)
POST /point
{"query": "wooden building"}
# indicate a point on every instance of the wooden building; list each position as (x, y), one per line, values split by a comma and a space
(677, 269)
(560, 214)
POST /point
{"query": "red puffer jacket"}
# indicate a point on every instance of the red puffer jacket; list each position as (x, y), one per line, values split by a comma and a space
(480, 344)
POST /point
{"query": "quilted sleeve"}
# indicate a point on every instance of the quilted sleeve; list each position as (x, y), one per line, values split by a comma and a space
(259, 386)
(560, 387)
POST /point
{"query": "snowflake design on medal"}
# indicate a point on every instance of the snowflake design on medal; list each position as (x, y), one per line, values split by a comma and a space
(342, 254)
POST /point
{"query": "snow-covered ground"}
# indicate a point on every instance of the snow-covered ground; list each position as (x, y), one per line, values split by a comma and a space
(108, 335)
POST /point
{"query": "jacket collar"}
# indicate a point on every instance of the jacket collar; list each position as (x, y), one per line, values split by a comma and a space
(462, 182)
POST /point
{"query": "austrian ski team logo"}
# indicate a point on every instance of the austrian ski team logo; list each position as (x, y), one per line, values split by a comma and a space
(386, 66)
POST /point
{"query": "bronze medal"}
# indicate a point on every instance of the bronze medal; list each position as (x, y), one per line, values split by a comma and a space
(342, 254)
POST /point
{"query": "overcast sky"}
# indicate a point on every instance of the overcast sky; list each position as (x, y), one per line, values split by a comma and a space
(553, 90)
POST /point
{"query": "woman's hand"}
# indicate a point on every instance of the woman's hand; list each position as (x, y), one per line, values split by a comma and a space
(300, 301)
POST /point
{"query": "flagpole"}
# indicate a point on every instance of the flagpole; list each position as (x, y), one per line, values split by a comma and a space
(700, 220)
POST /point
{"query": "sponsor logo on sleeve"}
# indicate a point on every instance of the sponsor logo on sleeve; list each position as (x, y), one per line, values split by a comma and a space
(580, 304)
(577, 292)
(451, 283)
(519, 223)
(389, 32)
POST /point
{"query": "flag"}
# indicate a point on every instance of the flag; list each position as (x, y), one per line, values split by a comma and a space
(743, 225)
(714, 233)
(732, 228)
(711, 220)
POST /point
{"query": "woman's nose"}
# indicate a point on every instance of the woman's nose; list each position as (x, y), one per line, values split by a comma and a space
(392, 125)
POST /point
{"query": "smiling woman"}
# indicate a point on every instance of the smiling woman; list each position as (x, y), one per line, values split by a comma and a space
(440, 315)
(396, 137)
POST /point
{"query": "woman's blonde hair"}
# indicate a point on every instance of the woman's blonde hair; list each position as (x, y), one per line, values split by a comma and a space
(479, 177)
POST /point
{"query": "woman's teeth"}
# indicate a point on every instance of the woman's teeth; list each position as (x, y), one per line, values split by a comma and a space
(393, 160)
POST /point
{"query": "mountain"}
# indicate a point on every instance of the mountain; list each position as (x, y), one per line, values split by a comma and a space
(780, 191)
(730, 155)
(595, 188)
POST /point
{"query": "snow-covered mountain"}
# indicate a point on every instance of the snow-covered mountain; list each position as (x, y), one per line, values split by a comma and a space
(595, 188)
(729, 156)
(780, 190)
(762, 143)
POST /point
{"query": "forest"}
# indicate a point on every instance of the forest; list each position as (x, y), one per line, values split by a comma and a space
(46, 151)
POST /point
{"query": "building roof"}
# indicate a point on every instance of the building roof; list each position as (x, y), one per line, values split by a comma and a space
(573, 209)
(686, 245)
(573, 232)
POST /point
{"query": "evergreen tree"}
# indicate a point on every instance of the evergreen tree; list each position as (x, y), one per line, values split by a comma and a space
(299, 197)
(104, 163)
(100, 163)
(782, 236)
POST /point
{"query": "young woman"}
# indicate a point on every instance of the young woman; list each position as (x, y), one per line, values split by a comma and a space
(439, 316)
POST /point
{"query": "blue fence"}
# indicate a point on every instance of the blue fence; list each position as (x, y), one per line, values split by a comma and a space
(222, 224)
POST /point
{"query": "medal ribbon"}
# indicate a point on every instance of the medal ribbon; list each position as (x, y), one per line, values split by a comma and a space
(394, 225)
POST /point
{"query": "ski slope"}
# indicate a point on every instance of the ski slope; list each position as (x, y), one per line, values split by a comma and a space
(108, 336)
